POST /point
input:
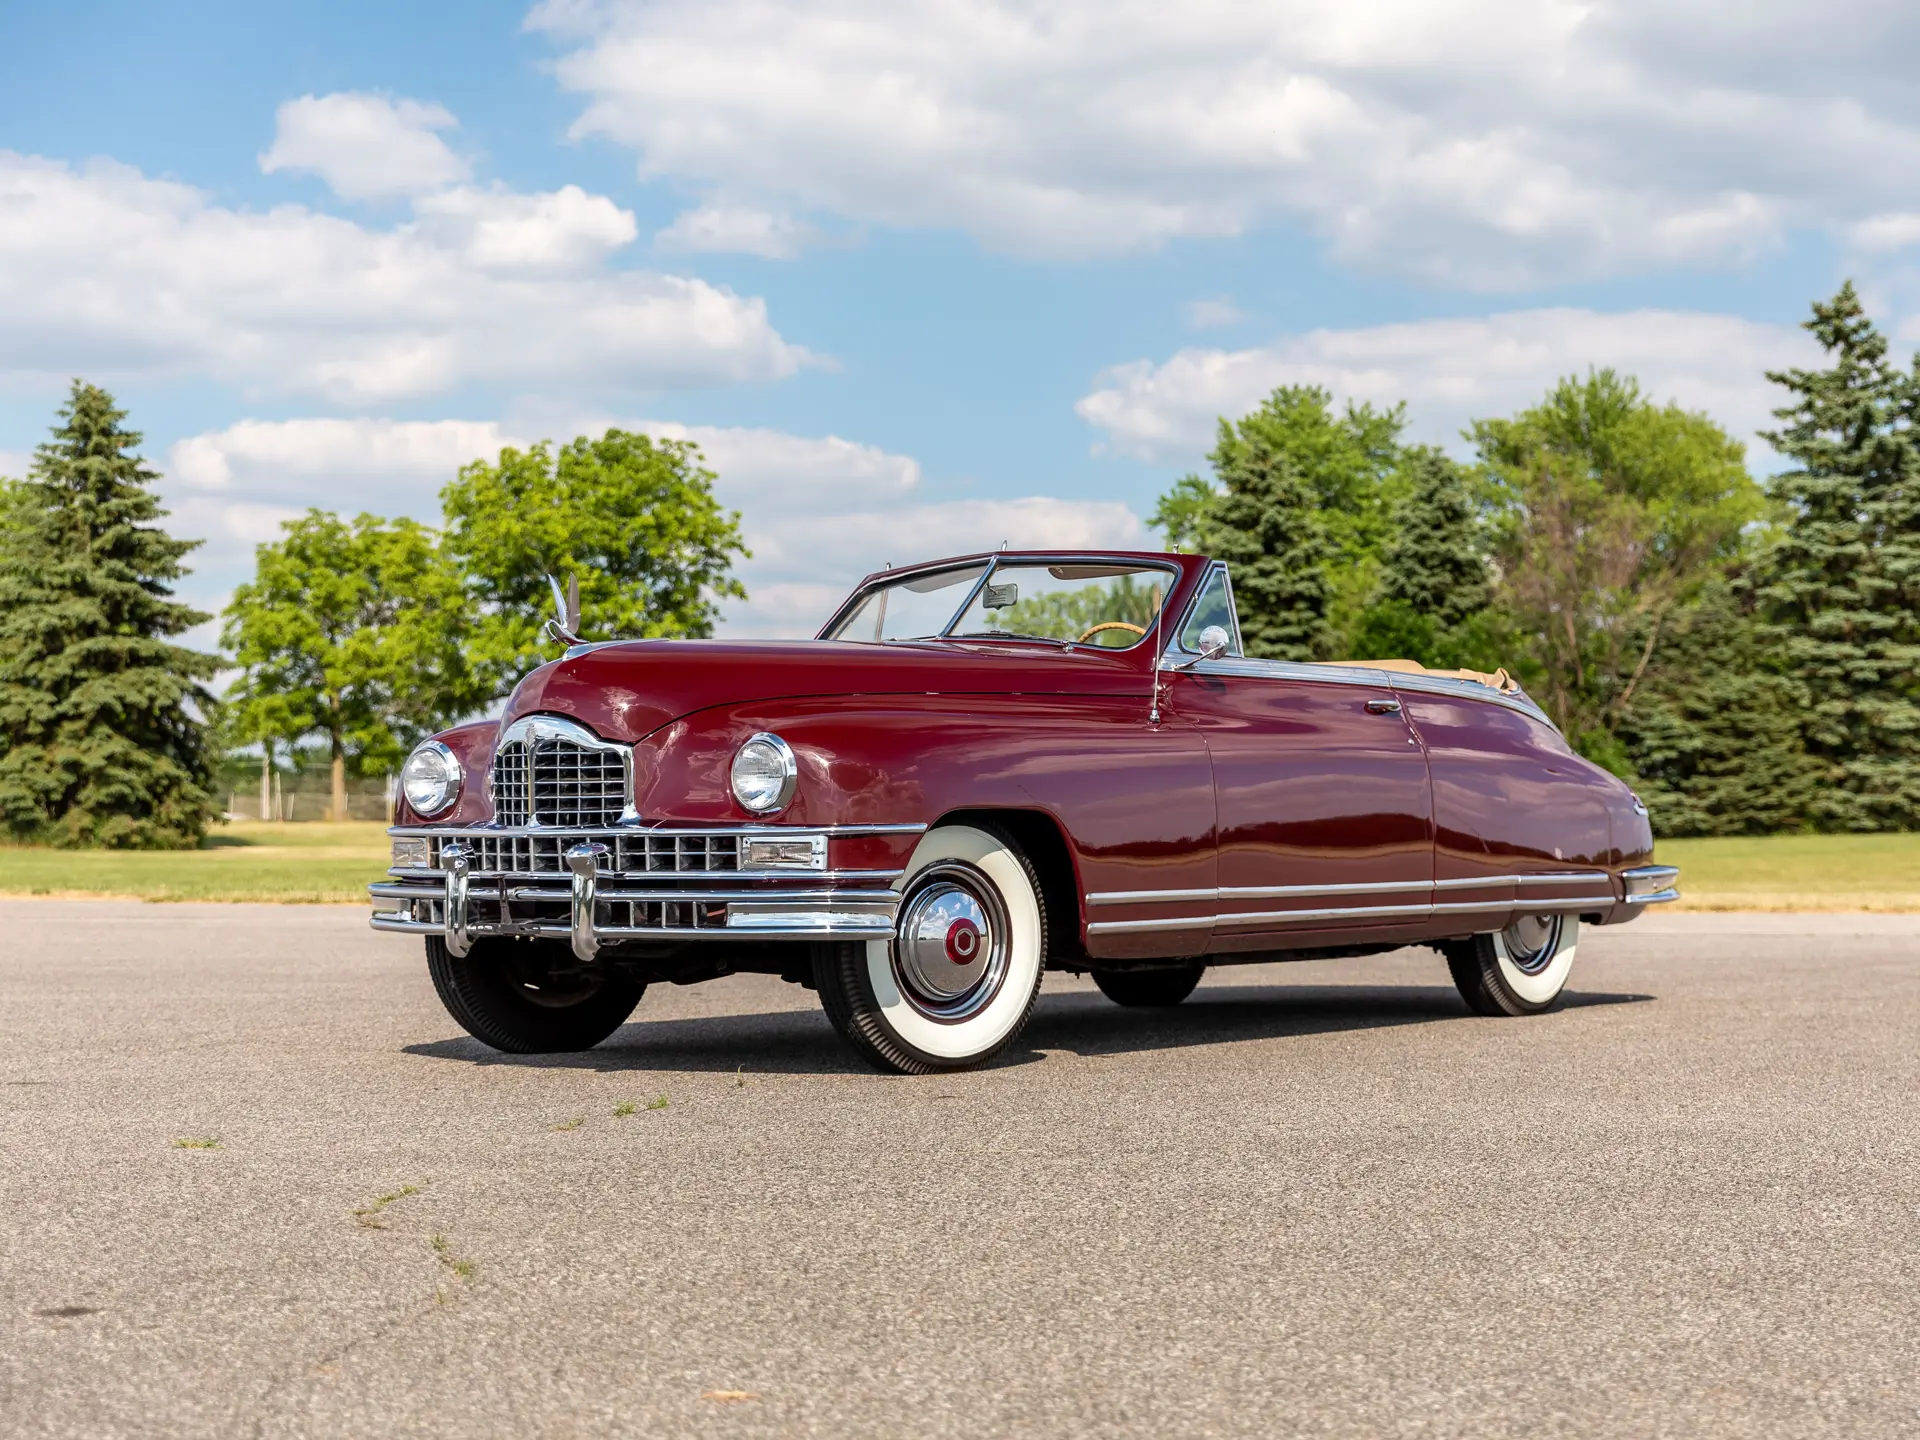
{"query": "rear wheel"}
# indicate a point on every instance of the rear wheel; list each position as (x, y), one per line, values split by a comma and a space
(1149, 988)
(531, 997)
(1520, 970)
(958, 980)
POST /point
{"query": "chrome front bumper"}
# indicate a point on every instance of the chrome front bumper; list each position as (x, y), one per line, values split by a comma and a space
(573, 890)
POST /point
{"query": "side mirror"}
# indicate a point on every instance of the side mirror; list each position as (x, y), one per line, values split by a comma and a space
(1214, 642)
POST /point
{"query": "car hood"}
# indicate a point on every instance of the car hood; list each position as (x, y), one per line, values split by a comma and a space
(628, 689)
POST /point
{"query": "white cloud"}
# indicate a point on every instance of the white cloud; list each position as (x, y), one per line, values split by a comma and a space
(1451, 371)
(366, 147)
(560, 230)
(14, 463)
(735, 229)
(1213, 314)
(1488, 143)
(1893, 231)
(105, 271)
(818, 512)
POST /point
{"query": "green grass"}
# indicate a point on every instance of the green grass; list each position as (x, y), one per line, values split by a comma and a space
(323, 863)
(1797, 872)
(308, 863)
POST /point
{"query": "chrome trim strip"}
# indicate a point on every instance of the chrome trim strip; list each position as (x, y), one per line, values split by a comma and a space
(1274, 892)
(876, 919)
(660, 827)
(678, 877)
(1657, 880)
(1352, 912)
(1150, 897)
(1530, 907)
(1109, 927)
(1570, 877)
(399, 922)
(1658, 897)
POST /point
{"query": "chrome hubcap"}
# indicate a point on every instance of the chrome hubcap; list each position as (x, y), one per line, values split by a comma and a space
(1532, 941)
(950, 948)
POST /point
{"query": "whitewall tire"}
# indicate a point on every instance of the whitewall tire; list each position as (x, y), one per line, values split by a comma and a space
(1520, 970)
(958, 980)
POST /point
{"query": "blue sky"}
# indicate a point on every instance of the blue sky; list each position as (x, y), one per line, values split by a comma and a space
(917, 279)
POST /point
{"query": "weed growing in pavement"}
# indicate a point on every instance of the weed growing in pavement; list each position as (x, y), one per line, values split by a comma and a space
(444, 1250)
(209, 1142)
(740, 1078)
(659, 1104)
(369, 1215)
(573, 1124)
(624, 1109)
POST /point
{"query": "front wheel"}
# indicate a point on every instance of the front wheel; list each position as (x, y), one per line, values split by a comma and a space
(529, 997)
(1520, 970)
(959, 979)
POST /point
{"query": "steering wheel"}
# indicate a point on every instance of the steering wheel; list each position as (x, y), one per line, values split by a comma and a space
(1110, 625)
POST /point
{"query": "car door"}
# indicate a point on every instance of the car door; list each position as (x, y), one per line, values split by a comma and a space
(1324, 816)
(1521, 823)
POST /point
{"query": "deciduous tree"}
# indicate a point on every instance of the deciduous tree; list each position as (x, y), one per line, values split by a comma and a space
(632, 518)
(354, 631)
(1611, 510)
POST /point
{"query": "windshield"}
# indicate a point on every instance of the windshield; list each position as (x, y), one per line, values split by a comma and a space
(1095, 603)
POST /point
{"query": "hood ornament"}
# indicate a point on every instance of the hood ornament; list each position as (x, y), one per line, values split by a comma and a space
(565, 625)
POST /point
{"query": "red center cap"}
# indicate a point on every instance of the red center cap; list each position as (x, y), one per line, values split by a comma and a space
(963, 941)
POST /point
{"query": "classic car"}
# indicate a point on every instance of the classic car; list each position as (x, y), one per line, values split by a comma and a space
(985, 768)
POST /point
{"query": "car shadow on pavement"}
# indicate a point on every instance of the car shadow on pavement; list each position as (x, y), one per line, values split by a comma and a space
(1087, 1023)
(1082, 1023)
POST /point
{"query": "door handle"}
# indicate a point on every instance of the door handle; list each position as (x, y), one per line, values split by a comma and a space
(1383, 707)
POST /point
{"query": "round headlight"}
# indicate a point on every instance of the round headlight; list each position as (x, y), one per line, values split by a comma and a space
(431, 779)
(764, 773)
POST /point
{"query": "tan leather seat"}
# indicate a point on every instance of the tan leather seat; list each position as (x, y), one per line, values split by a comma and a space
(1498, 680)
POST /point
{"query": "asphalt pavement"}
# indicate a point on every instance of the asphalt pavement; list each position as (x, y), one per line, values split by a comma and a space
(1317, 1199)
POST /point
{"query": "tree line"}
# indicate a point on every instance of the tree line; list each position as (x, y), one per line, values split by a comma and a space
(1746, 655)
(353, 640)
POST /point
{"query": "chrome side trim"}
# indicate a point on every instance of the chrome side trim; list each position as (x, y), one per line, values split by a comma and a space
(1112, 927)
(1150, 897)
(1349, 912)
(1569, 877)
(1369, 887)
(1275, 892)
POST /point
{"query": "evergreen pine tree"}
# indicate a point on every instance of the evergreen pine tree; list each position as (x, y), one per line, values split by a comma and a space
(1841, 590)
(1712, 732)
(98, 745)
(1434, 561)
(1265, 524)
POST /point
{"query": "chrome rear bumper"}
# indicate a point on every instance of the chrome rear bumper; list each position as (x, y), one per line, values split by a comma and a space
(1651, 884)
(587, 902)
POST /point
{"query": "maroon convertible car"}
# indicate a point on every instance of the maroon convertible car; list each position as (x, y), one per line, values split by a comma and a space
(983, 769)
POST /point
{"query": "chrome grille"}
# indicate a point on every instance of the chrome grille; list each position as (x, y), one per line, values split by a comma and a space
(660, 854)
(552, 781)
